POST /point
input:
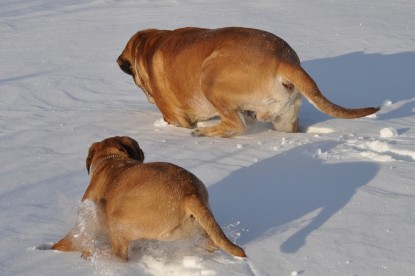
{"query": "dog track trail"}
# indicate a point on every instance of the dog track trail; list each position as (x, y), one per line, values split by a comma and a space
(382, 149)
(176, 259)
(218, 264)
(188, 265)
(387, 147)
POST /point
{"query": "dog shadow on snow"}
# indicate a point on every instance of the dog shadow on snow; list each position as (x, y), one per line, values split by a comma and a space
(279, 190)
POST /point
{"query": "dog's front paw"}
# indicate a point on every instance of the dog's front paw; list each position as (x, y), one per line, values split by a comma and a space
(179, 121)
(215, 131)
(198, 133)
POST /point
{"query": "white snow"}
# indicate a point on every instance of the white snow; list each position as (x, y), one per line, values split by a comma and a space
(337, 199)
(388, 132)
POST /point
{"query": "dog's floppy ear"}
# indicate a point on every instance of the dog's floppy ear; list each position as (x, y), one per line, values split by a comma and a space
(133, 149)
(138, 150)
(125, 65)
(91, 154)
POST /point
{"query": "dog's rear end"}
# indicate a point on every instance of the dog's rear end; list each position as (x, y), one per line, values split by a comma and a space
(164, 202)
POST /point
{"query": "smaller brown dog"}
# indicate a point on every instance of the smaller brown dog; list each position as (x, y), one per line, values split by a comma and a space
(133, 200)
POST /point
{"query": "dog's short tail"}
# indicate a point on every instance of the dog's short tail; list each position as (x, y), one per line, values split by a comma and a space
(205, 218)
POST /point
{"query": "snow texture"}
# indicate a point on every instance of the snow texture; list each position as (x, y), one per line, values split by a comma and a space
(337, 199)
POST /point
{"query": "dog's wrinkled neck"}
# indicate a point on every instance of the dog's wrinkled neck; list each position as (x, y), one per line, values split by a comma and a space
(99, 161)
(138, 73)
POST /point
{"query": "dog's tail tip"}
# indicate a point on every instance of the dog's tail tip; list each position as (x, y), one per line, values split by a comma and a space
(239, 252)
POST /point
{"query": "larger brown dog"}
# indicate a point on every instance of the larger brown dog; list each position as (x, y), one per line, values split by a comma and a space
(194, 74)
(158, 201)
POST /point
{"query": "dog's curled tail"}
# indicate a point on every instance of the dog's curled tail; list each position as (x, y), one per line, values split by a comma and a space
(308, 88)
(205, 218)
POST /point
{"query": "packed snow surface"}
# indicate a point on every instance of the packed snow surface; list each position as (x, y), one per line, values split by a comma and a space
(336, 199)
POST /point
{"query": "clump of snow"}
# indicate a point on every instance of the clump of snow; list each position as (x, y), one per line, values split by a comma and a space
(160, 123)
(387, 103)
(319, 130)
(388, 132)
(192, 261)
(372, 116)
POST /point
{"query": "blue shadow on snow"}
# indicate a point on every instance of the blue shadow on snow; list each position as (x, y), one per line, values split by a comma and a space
(284, 188)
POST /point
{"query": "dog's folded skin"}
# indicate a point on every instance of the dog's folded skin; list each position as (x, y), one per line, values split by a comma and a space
(139, 200)
(193, 74)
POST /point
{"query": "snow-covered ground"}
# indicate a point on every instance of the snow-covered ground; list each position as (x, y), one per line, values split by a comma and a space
(336, 200)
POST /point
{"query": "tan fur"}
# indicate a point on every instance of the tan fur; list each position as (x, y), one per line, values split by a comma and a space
(194, 74)
(137, 200)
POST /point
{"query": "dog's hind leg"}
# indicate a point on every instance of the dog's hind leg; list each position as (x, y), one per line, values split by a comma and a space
(231, 120)
(231, 124)
(207, 243)
(287, 121)
(119, 247)
(222, 87)
(119, 243)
